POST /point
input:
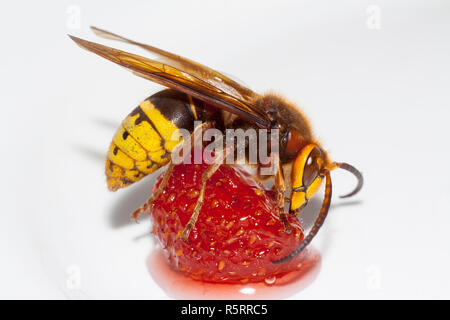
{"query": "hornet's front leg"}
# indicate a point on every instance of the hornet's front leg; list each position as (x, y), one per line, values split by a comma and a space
(280, 188)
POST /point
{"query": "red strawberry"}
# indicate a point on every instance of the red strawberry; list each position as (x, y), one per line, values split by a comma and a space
(238, 233)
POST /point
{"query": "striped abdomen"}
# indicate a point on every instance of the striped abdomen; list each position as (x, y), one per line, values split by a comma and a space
(143, 142)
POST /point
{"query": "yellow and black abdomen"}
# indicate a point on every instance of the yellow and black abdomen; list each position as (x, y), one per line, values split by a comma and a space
(143, 142)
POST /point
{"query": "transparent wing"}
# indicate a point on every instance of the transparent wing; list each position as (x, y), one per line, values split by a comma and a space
(196, 69)
(178, 79)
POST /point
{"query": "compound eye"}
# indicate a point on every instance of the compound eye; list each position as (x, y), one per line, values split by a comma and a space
(294, 143)
(313, 166)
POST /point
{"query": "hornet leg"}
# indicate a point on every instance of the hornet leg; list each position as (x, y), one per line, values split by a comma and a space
(205, 177)
(181, 146)
(280, 187)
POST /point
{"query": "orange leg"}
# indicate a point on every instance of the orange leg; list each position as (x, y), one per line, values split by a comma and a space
(198, 206)
(280, 187)
(135, 215)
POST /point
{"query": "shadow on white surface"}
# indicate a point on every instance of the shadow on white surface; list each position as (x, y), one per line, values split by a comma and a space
(129, 200)
(89, 152)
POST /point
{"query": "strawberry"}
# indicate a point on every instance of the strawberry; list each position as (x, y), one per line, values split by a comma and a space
(238, 233)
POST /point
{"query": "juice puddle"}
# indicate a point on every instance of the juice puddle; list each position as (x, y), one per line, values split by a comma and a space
(179, 286)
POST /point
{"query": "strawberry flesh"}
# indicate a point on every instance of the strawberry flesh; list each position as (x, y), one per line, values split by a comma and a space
(238, 233)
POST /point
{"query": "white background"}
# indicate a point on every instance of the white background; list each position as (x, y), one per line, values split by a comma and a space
(377, 96)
